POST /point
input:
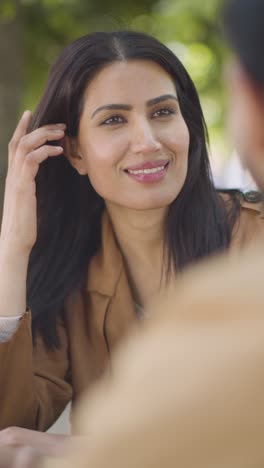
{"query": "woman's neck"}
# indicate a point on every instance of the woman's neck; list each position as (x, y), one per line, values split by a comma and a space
(138, 233)
(140, 237)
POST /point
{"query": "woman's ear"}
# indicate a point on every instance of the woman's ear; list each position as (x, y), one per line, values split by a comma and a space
(72, 153)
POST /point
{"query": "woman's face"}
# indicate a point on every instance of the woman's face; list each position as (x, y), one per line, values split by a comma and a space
(132, 139)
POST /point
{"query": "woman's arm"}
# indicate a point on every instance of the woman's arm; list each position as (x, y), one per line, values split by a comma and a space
(13, 274)
(34, 386)
(19, 224)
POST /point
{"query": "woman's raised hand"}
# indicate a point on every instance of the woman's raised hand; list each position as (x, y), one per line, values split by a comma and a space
(19, 224)
(26, 152)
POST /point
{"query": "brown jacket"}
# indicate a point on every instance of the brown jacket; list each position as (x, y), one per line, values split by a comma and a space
(35, 385)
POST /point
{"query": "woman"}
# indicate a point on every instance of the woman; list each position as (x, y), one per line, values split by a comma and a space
(195, 391)
(115, 160)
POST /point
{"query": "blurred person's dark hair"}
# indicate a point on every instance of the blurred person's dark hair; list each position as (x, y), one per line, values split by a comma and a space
(69, 209)
(244, 29)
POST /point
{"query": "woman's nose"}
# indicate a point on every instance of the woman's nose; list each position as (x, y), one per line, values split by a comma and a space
(144, 139)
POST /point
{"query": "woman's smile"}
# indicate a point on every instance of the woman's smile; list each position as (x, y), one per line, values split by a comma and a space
(148, 172)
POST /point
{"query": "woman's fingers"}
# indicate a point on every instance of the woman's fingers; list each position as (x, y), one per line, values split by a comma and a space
(23, 143)
(32, 141)
(19, 132)
(35, 158)
(26, 152)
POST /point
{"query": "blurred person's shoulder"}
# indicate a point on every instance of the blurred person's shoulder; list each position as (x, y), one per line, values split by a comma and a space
(247, 210)
(251, 200)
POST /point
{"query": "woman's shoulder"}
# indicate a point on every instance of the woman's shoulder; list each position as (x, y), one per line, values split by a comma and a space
(249, 208)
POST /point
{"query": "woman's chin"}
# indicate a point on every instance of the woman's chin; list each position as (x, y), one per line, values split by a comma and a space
(148, 205)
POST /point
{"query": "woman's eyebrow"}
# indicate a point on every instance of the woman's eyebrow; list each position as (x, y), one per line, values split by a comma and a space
(164, 97)
(126, 107)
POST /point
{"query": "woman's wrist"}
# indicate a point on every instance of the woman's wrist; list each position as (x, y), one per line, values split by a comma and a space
(11, 250)
(13, 276)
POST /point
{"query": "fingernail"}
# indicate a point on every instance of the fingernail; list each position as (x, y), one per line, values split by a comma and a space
(26, 113)
(61, 125)
(57, 130)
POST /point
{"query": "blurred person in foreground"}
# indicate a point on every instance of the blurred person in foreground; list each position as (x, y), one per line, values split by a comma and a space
(187, 391)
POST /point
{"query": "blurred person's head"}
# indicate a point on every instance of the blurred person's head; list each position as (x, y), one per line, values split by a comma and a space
(244, 28)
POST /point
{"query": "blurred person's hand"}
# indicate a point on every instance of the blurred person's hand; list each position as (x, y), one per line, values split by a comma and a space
(36, 443)
(25, 457)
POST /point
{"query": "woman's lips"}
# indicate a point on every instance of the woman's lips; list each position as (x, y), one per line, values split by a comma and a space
(148, 172)
(148, 165)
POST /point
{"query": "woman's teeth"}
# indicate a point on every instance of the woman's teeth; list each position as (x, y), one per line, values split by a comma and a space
(147, 171)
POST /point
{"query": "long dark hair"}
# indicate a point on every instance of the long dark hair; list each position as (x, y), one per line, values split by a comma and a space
(69, 210)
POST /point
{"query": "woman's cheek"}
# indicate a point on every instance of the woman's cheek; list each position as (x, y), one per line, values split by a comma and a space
(183, 135)
(108, 149)
(176, 137)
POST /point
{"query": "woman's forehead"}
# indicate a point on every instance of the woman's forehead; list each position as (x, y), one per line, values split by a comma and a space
(133, 79)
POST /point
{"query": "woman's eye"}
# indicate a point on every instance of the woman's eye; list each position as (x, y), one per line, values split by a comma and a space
(113, 120)
(164, 112)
